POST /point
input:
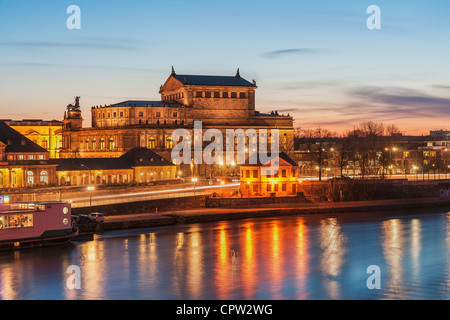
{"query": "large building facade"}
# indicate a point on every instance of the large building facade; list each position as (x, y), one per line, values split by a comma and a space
(23, 163)
(219, 102)
(47, 134)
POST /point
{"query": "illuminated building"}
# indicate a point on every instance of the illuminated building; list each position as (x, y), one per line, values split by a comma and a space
(220, 102)
(277, 177)
(139, 165)
(23, 163)
(47, 134)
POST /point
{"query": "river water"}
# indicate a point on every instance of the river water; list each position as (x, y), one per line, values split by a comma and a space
(300, 257)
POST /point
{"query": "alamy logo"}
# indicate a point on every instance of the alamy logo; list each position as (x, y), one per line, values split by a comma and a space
(243, 141)
(74, 21)
(74, 279)
(374, 21)
(374, 280)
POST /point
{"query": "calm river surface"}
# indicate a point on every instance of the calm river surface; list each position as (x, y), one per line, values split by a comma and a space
(302, 257)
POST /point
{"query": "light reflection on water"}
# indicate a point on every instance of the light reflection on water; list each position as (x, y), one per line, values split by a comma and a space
(305, 257)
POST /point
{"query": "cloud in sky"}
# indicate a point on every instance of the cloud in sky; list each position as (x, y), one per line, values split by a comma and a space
(298, 51)
(405, 102)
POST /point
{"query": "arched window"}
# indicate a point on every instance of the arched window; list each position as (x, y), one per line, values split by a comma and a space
(151, 143)
(111, 144)
(94, 144)
(43, 177)
(169, 143)
(30, 178)
(86, 146)
(102, 144)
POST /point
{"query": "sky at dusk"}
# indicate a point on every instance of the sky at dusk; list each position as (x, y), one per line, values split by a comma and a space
(313, 59)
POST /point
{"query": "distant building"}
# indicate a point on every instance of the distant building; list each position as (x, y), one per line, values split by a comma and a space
(220, 102)
(23, 163)
(139, 165)
(262, 179)
(47, 134)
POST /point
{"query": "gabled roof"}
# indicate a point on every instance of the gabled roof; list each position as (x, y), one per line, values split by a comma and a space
(202, 80)
(283, 156)
(16, 142)
(137, 157)
(143, 157)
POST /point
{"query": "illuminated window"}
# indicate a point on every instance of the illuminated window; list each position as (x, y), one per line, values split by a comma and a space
(16, 221)
(102, 144)
(1, 178)
(86, 146)
(151, 143)
(94, 144)
(111, 144)
(43, 177)
(169, 144)
(30, 178)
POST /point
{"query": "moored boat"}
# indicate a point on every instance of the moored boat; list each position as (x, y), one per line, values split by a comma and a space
(40, 224)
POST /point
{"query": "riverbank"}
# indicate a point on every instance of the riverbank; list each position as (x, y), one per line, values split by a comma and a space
(167, 218)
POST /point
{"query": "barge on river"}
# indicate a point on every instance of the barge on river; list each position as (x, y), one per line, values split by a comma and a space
(40, 224)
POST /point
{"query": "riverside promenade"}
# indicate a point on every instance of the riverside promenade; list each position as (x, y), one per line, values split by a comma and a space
(166, 218)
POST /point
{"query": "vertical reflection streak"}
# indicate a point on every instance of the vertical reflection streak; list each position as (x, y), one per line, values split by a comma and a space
(7, 291)
(276, 262)
(415, 246)
(223, 266)
(249, 264)
(302, 260)
(332, 243)
(393, 253)
(195, 266)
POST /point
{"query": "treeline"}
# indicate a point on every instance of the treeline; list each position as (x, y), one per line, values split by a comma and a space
(365, 147)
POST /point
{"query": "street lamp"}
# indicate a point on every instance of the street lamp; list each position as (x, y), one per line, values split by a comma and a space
(90, 180)
(194, 180)
(90, 189)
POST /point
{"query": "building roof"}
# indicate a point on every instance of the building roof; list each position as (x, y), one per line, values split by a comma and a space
(281, 155)
(137, 157)
(202, 80)
(16, 142)
(144, 103)
(143, 157)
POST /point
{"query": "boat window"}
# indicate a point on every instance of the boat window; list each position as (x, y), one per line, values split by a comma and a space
(16, 221)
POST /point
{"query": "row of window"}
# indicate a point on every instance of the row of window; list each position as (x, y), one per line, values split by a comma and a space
(102, 144)
(217, 95)
(268, 174)
(140, 114)
(21, 157)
